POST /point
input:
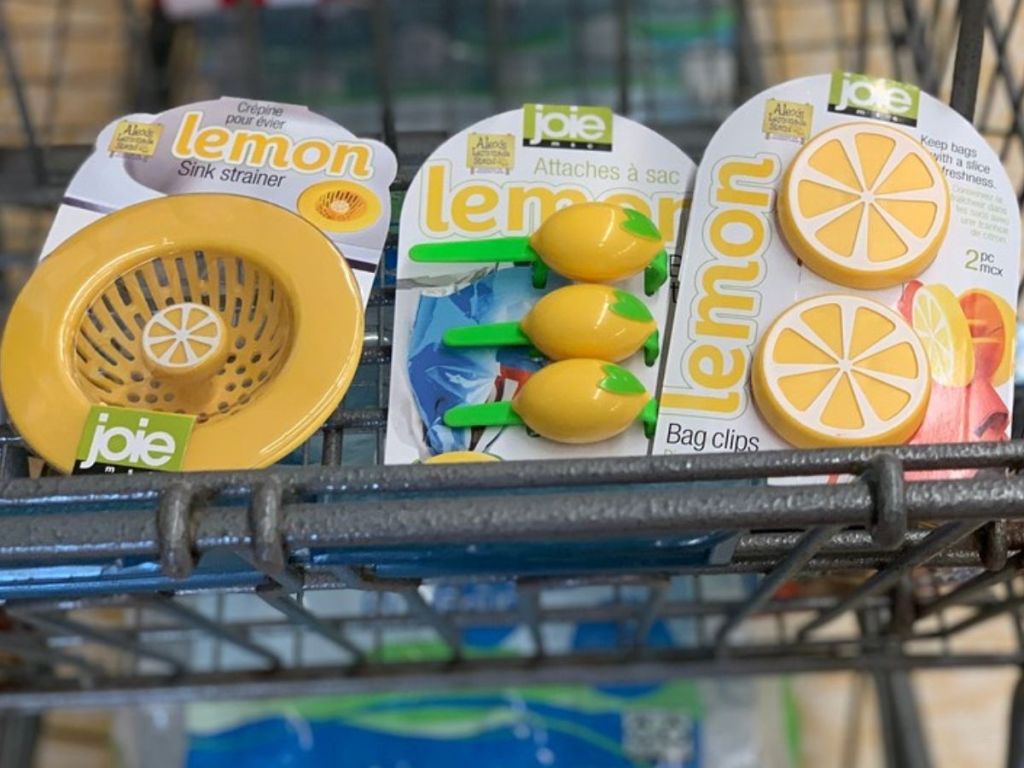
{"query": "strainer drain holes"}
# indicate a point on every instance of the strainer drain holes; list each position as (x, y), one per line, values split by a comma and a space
(122, 351)
(231, 387)
(151, 398)
(240, 342)
(137, 376)
(154, 384)
(232, 358)
(168, 398)
(161, 273)
(246, 383)
(222, 406)
(240, 370)
(133, 398)
(256, 358)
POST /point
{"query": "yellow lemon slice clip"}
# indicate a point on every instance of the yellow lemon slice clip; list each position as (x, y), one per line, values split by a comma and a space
(865, 206)
(841, 370)
(230, 309)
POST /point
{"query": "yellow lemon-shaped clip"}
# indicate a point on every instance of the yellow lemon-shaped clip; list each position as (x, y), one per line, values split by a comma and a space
(584, 320)
(226, 308)
(572, 401)
(864, 205)
(587, 242)
(841, 370)
(598, 242)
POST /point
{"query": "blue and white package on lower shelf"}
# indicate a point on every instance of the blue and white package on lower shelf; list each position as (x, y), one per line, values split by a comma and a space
(742, 723)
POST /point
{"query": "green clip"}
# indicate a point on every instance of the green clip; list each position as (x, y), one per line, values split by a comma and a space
(649, 416)
(656, 273)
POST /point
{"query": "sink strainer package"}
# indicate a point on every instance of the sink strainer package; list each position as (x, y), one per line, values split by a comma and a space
(200, 300)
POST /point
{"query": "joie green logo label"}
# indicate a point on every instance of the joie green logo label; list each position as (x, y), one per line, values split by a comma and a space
(136, 439)
(874, 97)
(564, 126)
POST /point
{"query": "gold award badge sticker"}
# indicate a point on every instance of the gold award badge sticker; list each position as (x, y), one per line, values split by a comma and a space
(490, 152)
(135, 139)
(787, 120)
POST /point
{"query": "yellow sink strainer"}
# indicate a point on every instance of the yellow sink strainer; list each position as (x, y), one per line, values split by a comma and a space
(340, 206)
(223, 307)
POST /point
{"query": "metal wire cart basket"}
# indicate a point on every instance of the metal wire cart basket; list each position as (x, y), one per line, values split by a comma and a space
(118, 589)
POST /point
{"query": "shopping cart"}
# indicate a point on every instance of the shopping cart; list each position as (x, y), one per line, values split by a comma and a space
(121, 589)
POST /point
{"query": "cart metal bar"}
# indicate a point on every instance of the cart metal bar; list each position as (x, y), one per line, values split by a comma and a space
(967, 66)
(427, 614)
(983, 614)
(886, 578)
(24, 492)
(35, 648)
(529, 606)
(460, 517)
(102, 637)
(19, 735)
(282, 602)
(649, 612)
(900, 721)
(1015, 751)
(979, 584)
(497, 672)
(810, 542)
(15, 83)
(168, 605)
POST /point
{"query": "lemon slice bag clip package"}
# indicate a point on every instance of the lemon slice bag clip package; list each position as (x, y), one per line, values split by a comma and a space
(199, 301)
(849, 277)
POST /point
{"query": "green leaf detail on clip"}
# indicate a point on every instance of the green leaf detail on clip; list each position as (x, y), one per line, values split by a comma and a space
(630, 307)
(641, 226)
(619, 381)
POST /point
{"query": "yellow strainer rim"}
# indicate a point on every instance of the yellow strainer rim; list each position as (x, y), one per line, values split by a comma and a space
(42, 396)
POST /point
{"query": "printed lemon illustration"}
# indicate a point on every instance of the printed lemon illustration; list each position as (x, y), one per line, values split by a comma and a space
(839, 370)
(340, 206)
(992, 323)
(571, 401)
(864, 205)
(945, 333)
(584, 320)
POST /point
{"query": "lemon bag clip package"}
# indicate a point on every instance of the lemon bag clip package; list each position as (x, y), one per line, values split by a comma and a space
(593, 198)
(849, 277)
(199, 301)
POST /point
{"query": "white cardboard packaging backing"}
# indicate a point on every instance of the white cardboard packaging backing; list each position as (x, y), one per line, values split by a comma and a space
(502, 177)
(260, 149)
(753, 148)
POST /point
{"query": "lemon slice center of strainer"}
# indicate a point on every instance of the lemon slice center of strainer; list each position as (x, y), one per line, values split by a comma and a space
(183, 337)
